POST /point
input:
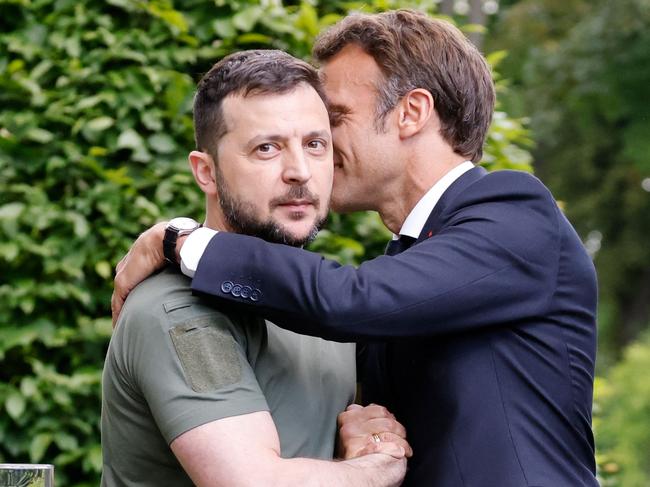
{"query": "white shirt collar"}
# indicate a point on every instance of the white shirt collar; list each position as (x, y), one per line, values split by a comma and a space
(416, 220)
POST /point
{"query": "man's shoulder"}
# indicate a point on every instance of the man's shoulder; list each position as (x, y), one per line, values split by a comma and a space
(154, 295)
(517, 190)
(511, 209)
(165, 299)
(511, 182)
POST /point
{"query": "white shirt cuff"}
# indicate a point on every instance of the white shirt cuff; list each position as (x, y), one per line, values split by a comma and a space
(193, 248)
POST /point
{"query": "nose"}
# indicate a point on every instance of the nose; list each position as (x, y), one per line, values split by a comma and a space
(297, 167)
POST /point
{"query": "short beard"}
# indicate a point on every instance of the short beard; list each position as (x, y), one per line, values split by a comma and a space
(240, 217)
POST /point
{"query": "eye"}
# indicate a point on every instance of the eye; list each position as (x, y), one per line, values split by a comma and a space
(336, 118)
(317, 144)
(267, 149)
(338, 114)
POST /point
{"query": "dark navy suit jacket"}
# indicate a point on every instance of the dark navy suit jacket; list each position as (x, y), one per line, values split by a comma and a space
(481, 337)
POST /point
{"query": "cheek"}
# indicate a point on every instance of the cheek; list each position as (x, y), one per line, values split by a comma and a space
(254, 187)
(341, 137)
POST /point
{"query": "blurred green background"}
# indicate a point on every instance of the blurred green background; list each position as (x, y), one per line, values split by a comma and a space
(95, 128)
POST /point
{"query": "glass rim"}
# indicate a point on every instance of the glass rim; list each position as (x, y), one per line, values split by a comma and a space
(25, 466)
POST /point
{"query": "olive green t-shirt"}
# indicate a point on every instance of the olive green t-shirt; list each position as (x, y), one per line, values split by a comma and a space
(174, 364)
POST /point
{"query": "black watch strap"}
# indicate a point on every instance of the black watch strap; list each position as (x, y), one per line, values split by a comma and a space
(176, 227)
(169, 245)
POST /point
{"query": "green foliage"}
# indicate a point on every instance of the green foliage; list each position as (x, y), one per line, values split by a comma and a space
(583, 70)
(94, 134)
(621, 419)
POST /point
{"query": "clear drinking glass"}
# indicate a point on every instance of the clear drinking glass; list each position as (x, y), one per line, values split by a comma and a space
(26, 475)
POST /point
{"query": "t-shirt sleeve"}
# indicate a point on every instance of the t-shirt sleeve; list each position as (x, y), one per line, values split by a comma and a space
(192, 367)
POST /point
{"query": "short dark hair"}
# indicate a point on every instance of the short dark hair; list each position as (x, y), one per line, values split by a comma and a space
(413, 51)
(251, 72)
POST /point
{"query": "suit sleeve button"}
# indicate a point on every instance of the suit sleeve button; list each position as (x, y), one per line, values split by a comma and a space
(246, 292)
(256, 294)
(226, 286)
(236, 290)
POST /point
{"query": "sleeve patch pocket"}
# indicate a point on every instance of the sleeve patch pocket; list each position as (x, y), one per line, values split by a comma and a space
(207, 353)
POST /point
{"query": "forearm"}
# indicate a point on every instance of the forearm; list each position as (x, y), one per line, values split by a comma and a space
(423, 292)
(244, 451)
(376, 470)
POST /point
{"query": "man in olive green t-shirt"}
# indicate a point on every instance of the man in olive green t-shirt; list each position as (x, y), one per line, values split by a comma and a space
(192, 395)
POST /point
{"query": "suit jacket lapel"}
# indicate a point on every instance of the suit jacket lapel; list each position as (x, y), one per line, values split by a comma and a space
(433, 224)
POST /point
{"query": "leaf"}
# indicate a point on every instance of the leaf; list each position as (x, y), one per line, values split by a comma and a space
(65, 441)
(473, 29)
(11, 211)
(28, 387)
(100, 123)
(15, 405)
(162, 143)
(9, 251)
(179, 93)
(96, 151)
(79, 223)
(92, 129)
(495, 58)
(253, 38)
(39, 135)
(245, 19)
(38, 446)
(129, 139)
(104, 269)
(94, 458)
(172, 17)
(224, 28)
(308, 19)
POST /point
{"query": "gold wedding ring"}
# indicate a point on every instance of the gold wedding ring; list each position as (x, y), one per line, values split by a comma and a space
(376, 438)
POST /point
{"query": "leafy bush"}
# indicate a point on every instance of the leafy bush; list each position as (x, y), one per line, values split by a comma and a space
(621, 419)
(94, 134)
(584, 68)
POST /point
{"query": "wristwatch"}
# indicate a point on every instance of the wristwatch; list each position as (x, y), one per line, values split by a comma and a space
(176, 227)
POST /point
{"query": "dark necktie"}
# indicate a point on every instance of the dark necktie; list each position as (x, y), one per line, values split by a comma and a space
(395, 247)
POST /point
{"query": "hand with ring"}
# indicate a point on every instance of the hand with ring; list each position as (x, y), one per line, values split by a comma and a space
(370, 429)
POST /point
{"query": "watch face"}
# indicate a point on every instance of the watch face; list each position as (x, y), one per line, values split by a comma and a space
(183, 223)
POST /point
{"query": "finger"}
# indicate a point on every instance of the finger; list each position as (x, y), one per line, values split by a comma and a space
(384, 424)
(388, 437)
(387, 448)
(120, 292)
(120, 265)
(358, 414)
(378, 411)
(116, 307)
(351, 427)
(347, 414)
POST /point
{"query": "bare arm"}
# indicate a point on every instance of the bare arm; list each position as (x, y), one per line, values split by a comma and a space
(245, 451)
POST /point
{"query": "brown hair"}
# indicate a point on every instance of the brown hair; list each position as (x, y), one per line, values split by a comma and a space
(251, 72)
(416, 51)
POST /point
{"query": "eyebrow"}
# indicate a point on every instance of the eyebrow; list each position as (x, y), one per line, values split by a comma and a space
(339, 109)
(258, 139)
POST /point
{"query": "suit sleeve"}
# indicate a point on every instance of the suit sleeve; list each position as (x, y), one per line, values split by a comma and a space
(493, 261)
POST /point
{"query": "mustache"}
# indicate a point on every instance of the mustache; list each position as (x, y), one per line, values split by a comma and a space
(296, 193)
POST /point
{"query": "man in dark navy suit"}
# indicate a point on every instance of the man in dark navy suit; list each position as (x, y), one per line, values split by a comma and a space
(479, 325)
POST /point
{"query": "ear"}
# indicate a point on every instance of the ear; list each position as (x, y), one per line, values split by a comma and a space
(415, 111)
(204, 171)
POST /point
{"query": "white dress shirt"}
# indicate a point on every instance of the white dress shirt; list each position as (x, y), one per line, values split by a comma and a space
(193, 248)
(416, 220)
(196, 243)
